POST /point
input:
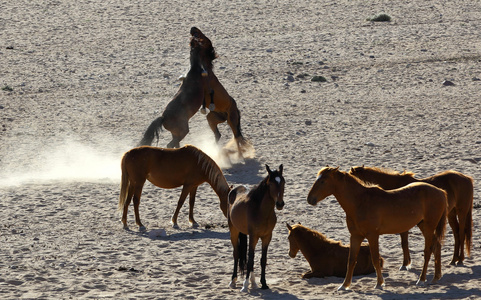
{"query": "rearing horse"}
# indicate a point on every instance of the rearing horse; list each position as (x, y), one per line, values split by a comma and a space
(199, 87)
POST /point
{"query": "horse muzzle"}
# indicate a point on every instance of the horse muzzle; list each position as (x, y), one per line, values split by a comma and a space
(312, 200)
(280, 205)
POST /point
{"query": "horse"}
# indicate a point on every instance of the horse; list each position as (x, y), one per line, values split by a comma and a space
(372, 211)
(459, 189)
(199, 87)
(251, 213)
(187, 166)
(325, 256)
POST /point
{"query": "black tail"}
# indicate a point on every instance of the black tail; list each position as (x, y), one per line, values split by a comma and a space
(242, 252)
(152, 132)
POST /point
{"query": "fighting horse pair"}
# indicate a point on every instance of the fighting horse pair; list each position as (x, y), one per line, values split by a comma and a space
(200, 87)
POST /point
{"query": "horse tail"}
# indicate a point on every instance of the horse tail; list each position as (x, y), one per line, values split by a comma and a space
(468, 230)
(441, 227)
(124, 183)
(242, 247)
(152, 132)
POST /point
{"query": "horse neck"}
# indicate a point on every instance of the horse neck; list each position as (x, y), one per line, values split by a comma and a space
(216, 179)
(261, 195)
(307, 241)
(346, 191)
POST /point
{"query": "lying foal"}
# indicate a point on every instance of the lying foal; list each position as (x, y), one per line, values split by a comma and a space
(325, 256)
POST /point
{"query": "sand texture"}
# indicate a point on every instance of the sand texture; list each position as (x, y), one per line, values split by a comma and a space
(81, 81)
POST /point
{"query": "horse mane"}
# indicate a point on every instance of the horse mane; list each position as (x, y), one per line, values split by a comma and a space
(209, 166)
(389, 171)
(257, 192)
(358, 180)
(312, 237)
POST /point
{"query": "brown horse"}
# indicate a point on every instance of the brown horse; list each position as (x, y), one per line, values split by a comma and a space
(169, 168)
(325, 256)
(372, 211)
(199, 87)
(459, 189)
(252, 214)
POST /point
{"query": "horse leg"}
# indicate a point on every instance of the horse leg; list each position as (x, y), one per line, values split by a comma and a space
(406, 256)
(250, 264)
(374, 248)
(265, 244)
(354, 247)
(234, 239)
(233, 119)
(192, 222)
(215, 118)
(429, 241)
(137, 193)
(178, 133)
(453, 222)
(183, 196)
(126, 207)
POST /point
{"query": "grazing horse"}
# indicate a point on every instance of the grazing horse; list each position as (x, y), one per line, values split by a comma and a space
(372, 211)
(188, 167)
(252, 214)
(325, 256)
(199, 87)
(459, 189)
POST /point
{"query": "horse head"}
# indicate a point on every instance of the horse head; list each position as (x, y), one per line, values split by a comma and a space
(201, 49)
(293, 246)
(322, 187)
(276, 184)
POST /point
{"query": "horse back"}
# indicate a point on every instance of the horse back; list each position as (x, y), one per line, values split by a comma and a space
(459, 187)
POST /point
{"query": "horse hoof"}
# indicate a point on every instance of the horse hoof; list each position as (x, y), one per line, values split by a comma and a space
(194, 224)
(211, 106)
(232, 284)
(343, 288)
(265, 287)
(203, 111)
(405, 268)
(142, 228)
(379, 286)
(420, 283)
(244, 290)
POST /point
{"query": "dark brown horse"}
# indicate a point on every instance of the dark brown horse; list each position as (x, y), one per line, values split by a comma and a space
(188, 167)
(252, 214)
(372, 211)
(459, 189)
(325, 256)
(199, 87)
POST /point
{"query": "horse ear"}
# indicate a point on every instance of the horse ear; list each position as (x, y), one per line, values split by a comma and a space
(288, 226)
(281, 167)
(268, 169)
(336, 169)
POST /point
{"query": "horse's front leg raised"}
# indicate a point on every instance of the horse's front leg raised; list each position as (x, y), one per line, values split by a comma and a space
(265, 245)
(192, 222)
(354, 248)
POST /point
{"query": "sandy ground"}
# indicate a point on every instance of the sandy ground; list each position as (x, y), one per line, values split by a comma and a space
(81, 80)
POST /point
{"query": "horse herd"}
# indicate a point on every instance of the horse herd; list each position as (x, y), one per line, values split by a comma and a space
(375, 201)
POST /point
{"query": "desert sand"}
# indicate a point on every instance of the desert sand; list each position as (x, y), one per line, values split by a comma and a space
(81, 80)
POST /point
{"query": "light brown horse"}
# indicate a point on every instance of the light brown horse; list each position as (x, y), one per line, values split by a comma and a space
(252, 214)
(199, 87)
(325, 256)
(188, 167)
(459, 189)
(372, 211)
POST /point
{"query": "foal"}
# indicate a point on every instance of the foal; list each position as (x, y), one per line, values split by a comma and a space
(251, 213)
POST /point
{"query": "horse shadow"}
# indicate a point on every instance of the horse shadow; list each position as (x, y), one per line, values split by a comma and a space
(246, 173)
(181, 235)
(272, 294)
